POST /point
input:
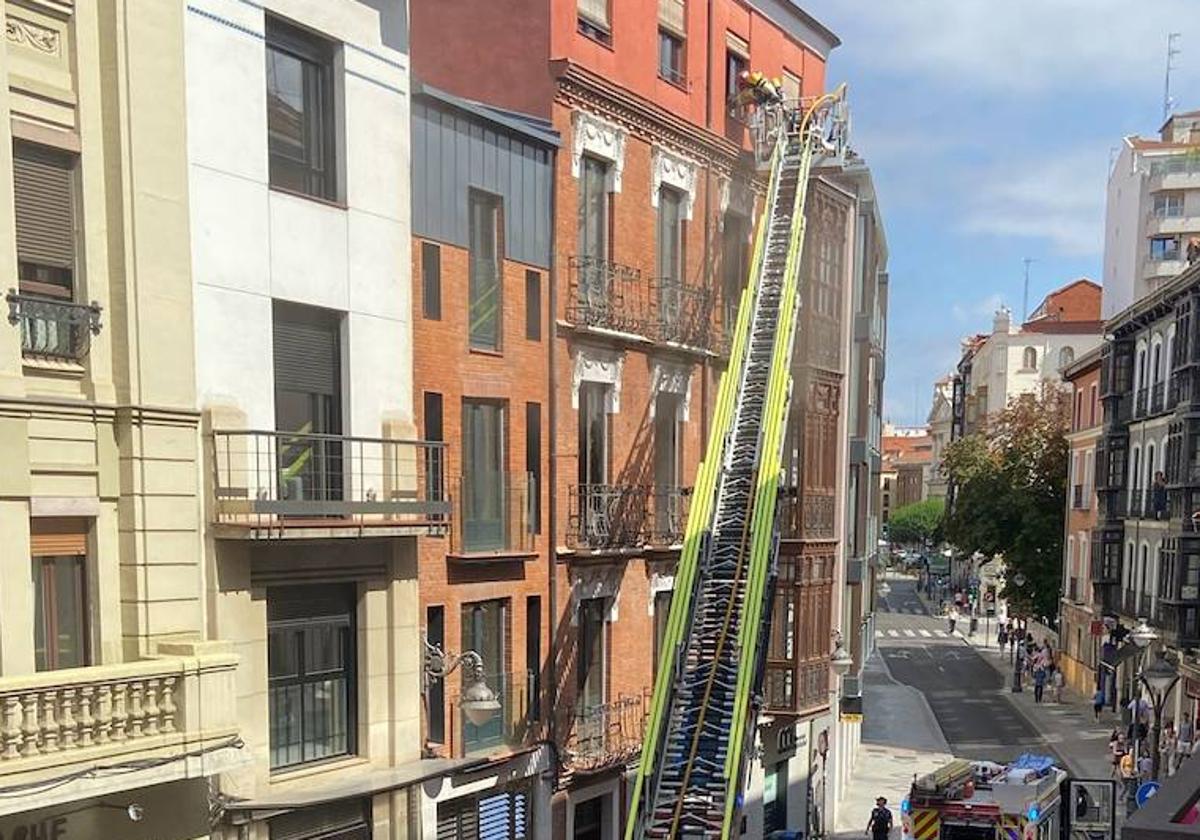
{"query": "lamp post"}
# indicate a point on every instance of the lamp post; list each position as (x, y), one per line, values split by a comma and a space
(1159, 678)
(477, 701)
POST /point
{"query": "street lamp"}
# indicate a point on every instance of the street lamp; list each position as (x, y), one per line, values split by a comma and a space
(478, 702)
(1143, 634)
(1159, 678)
(841, 661)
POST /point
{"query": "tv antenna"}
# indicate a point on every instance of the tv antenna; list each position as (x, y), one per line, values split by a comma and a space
(1172, 51)
(1025, 297)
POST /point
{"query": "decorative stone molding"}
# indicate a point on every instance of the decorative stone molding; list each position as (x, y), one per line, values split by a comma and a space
(596, 365)
(599, 137)
(736, 196)
(598, 582)
(27, 34)
(659, 582)
(674, 170)
(670, 378)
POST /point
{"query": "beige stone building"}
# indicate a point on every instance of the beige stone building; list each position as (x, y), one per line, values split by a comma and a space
(114, 710)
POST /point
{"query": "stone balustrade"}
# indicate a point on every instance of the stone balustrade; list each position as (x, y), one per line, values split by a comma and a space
(172, 709)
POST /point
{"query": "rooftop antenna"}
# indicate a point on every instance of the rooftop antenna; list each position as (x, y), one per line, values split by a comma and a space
(1172, 51)
(1025, 297)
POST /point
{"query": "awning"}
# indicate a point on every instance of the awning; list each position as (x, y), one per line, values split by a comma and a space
(357, 785)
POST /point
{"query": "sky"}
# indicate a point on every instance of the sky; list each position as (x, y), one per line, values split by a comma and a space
(989, 126)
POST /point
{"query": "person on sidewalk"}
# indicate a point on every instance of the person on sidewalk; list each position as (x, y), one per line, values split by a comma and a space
(1116, 748)
(952, 618)
(1002, 637)
(1184, 739)
(1056, 682)
(1168, 743)
(1097, 704)
(1039, 684)
(879, 826)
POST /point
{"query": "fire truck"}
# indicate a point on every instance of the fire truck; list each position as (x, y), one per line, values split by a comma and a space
(1022, 800)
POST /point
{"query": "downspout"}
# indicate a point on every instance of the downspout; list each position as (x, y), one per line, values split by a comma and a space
(552, 437)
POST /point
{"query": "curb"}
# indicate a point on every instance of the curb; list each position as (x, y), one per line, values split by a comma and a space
(930, 718)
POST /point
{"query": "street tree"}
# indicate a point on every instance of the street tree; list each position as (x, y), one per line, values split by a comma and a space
(1010, 495)
(917, 522)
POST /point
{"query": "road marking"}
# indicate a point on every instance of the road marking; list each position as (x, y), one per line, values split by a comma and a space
(941, 634)
(878, 634)
(894, 633)
(925, 633)
(909, 633)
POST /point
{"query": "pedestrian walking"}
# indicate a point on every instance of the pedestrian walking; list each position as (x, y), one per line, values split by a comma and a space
(879, 826)
(1056, 682)
(1168, 743)
(1097, 703)
(1039, 684)
(952, 618)
(1116, 749)
(1002, 637)
(1185, 737)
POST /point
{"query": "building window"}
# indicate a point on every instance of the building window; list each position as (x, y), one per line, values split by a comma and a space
(433, 455)
(343, 820)
(435, 634)
(593, 20)
(1168, 205)
(668, 458)
(1164, 248)
(593, 653)
(533, 654)
(533, 305)
(735, 265)
(300, 111)
(670, 250)
(486, 241)
(592, 819)
(311, 654)
(593, 461)
(792, 86)
(1066, 356)
(670, 57)
(431, 281)
(485, 527)
(59, 612)
(44, 206)
(533, 463)
(504, 814)
(593, 208)
(1095, 403)
(662, 611)
(1029, 359)
(735, 65)
(485, 631)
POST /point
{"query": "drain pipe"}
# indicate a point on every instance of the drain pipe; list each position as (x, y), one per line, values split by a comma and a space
(552, 439)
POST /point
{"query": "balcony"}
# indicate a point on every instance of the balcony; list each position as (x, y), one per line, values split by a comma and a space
(511, 728)
(269, 485)
(1143, 400)
(606, 295)
(493, 515)
(796, 688)
(1168, 267)
(1158, 397)
(155, 720)
(685, 315)
(608, 735)
(616, 517)
(53, 329)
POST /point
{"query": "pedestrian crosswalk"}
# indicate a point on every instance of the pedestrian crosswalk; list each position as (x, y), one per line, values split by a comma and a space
(912, 634)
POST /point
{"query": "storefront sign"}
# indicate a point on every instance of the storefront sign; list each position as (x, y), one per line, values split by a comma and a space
(52, 828)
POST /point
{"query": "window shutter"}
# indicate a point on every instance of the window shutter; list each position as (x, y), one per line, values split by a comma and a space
(306, 349)
(670, 16)
(58, 537)
(42, 199)
(595, 11)
(737, 44)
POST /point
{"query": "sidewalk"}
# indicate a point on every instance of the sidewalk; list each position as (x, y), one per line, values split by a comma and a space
(1067, 727)
(900, 739)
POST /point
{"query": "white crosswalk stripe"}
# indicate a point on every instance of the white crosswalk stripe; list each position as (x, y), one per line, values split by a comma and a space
(894, 633)
(925, 633)
(878, 634)
(909, 633)
(941, 634)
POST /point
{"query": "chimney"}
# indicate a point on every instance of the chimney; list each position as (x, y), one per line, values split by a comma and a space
(1002, 321)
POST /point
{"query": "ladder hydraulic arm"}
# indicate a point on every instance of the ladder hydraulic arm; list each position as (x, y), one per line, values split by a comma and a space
(703, 711)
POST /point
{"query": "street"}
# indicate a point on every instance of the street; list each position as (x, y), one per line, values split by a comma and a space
(968, 696)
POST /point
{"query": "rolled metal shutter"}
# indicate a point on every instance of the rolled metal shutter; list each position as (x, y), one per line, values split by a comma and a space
(306, 349)
(65, 537)
(458, 819)
(42, 198)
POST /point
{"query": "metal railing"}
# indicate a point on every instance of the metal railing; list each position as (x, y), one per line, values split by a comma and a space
(492, 513)
(508, 729)
(1157, 397)
(286, 479)
(684, 314)
(626, 516)
(606, 294)
(53, 328)
(1143, 396)
(607, 735)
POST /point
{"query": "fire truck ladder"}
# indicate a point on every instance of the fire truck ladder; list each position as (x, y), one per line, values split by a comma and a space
(703, 711)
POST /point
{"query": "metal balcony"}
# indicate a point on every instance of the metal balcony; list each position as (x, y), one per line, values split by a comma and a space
(606, 295)
(609, 735)
(1143, 398)
(685, 315)
(54, 329)
(284, 484)
(1158, 397)
(493, 513)
(615, 517)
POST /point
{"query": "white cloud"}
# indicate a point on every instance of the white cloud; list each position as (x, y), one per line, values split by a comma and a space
(972, 312)
(1058, 197)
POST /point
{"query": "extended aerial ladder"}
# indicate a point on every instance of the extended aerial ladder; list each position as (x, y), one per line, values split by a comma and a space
(704, 707)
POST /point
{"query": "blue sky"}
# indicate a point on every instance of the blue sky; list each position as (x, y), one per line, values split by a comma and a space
(989, 127)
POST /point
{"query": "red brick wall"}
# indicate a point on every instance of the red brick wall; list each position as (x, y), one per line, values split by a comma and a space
(1078, 302)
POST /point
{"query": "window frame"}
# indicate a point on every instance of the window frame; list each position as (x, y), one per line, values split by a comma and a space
(65, 287)
(672, 45)
(47, 656)
(1165, 253)
(533, 305)
(478, 494)
(735, 65)
(589, 610)
(431, 281)
(496, 673)
(494, 203)
(598, 179)
(318, 51)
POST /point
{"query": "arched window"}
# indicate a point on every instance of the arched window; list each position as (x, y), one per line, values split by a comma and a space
(1066, 356)
(1029, 360)
(1139, 381)
(1156, 364)
(1141, 581)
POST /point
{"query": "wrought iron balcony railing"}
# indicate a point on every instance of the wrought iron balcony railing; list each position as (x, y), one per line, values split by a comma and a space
(286, 481)
(606, 295)
(52, 328)
(624, 516)
(1158, 397)
(493, 513)
(607, 735)
(684, 314)
(1143, 396)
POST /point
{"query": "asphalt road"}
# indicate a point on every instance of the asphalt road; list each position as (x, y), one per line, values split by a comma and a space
(966, 694)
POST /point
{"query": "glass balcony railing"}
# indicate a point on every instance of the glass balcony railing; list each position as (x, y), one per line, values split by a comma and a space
(493, 513)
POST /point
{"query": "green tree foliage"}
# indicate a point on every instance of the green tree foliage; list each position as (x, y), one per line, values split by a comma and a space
(1010, 496)
(917, 522)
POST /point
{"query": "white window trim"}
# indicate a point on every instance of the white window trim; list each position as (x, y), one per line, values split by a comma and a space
(588, 584)
(674, 170)
(669, 378)
(598, 137)
(659, 583)
(596, 365)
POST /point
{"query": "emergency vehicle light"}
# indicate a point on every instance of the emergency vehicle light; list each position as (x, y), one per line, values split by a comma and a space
(905, 806)
(1033, 813)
